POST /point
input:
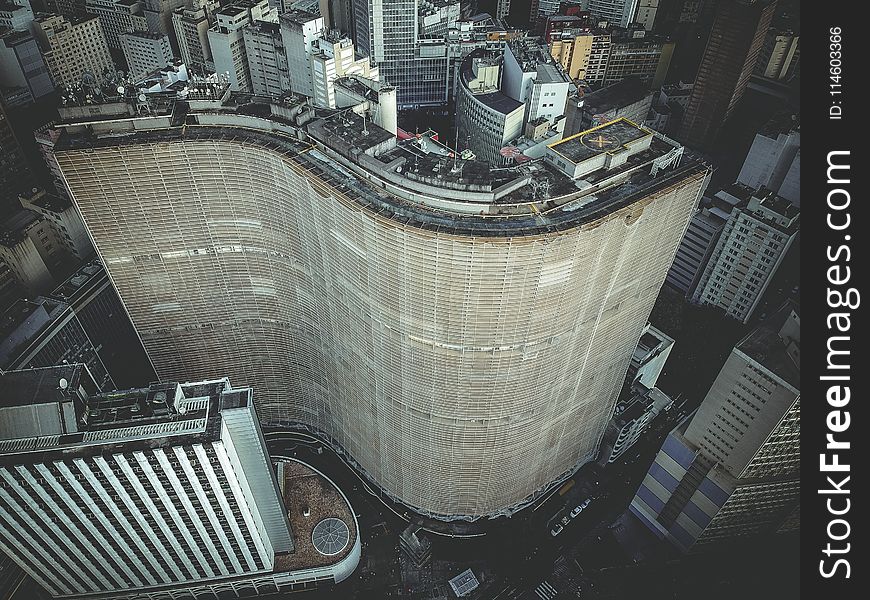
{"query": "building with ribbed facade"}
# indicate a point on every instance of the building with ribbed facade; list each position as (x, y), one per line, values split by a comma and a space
(155, 493)
(731, 470)
(459, 332)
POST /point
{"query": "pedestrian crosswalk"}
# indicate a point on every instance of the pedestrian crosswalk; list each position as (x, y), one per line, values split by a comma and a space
(545, 591)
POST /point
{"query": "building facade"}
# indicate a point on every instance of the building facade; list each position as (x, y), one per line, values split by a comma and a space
(73, 47)
(22, 69)
(486, 118)
(145, 52)
(751, 247)
(464, 364)
(191, 33)
(732, 468)
(153, 493)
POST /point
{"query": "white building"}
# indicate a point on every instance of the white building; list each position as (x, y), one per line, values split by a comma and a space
(775, 163)
(227, 42)
(487, 119)
(72, 47)
(145, 52)
(161, 492)
(532, 76)
(704, 229)
(749, 251)
(317, 56)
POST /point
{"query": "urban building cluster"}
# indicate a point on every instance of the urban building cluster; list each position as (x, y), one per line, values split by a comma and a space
(429, 239)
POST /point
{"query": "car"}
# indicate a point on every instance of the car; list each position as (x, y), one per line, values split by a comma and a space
(556, 530)
(576, 511)
(566, 519)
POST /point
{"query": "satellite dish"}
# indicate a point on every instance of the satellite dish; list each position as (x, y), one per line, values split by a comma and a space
(141, 97)
(120, 89)
(63, 383)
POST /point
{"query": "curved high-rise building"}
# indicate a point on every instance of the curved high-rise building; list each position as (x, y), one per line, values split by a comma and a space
(460, 333)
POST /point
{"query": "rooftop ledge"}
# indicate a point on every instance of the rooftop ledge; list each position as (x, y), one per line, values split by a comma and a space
(400, 180)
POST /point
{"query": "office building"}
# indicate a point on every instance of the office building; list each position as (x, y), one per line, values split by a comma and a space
(630, 98)
(736, 38)
(45, 332)
(267, 61)
(533, 77)
(227, 40)
(750, 249)
(487, 119)
(72, 48)
(583, 54)
(699, 242)
(779, 55)
(191, 33)
(460, 333)
(29, 245)
(620, 13)
(318, 56)
(159, 492)
(145, 52)
(158, 15)
(732, 468)
(502, 8)
(118, 17)
(774, 162)
(22, 69)
(411, 53)
(635, 53)
(61, 215)
(631, 419)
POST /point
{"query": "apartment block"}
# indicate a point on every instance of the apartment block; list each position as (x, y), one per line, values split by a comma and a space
(145, 52)
(73, 47)
(750, 249)
(731, 470)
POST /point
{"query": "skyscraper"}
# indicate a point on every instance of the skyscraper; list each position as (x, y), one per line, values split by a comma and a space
(156, 493)
(732, 469)
(738, 33)
(460, 332)
(392, 33)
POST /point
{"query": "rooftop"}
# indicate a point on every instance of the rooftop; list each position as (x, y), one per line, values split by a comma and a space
(607, 138)
(310, 499)
(139, 418)
(14, 228)
(495, 100)
(527, 199)
(766, 345)
(624, 93)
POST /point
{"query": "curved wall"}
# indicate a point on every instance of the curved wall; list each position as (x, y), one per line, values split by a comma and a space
(462, 373)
